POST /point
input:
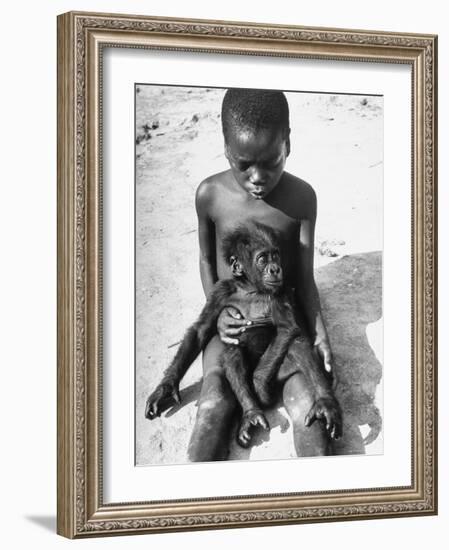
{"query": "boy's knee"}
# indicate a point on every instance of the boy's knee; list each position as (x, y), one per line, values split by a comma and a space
(215, 409)
(214, 381)
(215, 405)
(216, 395)
(299, 397)
(299, 406)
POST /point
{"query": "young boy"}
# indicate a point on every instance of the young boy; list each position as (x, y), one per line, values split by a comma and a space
(256, 134)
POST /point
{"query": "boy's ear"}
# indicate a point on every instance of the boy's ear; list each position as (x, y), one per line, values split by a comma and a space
(236, 267)
(287, 141)
(226, 150)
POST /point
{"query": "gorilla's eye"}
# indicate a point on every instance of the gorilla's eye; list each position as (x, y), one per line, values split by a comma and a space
(262, 260)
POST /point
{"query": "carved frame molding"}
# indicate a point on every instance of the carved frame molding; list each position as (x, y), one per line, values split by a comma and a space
(81, 37)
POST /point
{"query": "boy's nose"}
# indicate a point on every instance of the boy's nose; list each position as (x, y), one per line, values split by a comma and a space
(257, 176)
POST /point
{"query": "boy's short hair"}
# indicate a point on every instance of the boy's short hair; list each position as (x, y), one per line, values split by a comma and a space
(249, 109)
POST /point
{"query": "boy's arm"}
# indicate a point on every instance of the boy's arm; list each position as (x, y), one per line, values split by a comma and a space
(206, 236)
(306, 289)
(230, 322)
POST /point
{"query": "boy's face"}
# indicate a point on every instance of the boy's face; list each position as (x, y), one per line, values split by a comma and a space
(257, 159)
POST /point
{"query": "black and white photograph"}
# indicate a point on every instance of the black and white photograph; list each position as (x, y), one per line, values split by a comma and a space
(225, 258)
(258, 274)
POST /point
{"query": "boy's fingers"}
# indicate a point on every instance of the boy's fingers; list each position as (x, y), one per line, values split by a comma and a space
(326, 356)
(334, 381)
(328, 418)
(233, 312)
(230, 341)
(234, 331)
(237, 323)
(328, 361)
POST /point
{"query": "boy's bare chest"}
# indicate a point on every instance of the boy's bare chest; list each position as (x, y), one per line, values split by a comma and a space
(231, 211)
(231, 214)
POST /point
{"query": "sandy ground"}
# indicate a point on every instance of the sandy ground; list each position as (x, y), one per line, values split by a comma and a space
(337, 146)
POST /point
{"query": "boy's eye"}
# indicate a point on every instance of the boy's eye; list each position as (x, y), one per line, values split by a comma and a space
(271, 164)
(243, 166)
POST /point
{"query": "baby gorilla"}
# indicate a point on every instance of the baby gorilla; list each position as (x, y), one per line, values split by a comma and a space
(257, 290)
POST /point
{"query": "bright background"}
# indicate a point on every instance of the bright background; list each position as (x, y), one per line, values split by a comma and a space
(28, 277)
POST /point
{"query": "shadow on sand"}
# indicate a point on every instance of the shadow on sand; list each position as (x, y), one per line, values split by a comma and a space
(351, 299)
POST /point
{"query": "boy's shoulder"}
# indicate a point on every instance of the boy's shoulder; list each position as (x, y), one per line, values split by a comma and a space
(211, 187)
(298, 196)
(298, 185)
(215, 181)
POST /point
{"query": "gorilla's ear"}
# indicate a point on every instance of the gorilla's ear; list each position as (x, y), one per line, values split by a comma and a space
(236, 267)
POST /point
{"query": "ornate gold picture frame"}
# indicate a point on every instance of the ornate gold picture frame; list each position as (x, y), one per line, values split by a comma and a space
(82, 41)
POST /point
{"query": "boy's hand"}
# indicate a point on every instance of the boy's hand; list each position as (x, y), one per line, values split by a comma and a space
(230, 324)
(324, 352)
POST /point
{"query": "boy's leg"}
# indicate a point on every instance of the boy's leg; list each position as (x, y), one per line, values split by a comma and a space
(298, 400)
(299, 396)
(216, 406)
